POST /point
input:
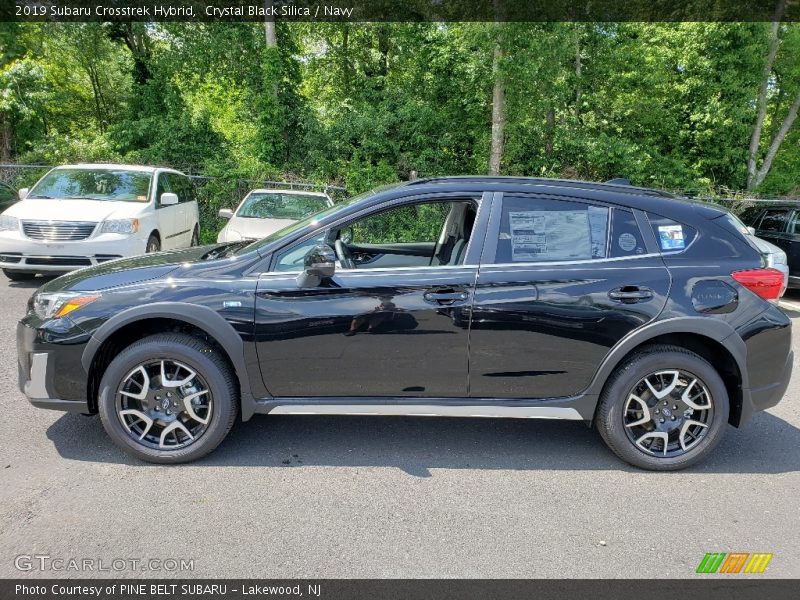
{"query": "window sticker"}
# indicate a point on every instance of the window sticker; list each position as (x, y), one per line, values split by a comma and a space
(627, 242)
(671, 237)
(549, 235)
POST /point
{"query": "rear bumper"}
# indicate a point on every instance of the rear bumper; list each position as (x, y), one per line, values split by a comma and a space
(50, 374)
(768, 396)
(769, 363)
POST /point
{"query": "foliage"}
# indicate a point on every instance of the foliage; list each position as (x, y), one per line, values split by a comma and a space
(670, 105)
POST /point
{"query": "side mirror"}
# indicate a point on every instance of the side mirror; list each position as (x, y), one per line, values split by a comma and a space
(319, 264)
(23, 193)
(752, 230)
(169, 199)
(225, 213)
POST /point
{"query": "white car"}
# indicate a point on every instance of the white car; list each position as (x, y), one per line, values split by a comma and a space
(263, 212)
(82, 215)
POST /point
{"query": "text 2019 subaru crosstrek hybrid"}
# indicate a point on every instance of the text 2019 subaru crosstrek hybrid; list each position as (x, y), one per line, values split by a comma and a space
(646, 315)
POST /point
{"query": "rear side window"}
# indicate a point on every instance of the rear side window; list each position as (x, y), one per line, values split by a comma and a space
(545, 230)
(626, 239)
(671, 235)
(774, 220)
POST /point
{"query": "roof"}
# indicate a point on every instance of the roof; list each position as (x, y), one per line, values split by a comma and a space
(141, 168)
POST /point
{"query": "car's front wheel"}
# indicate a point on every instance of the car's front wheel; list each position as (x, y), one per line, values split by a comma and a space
(664, 409)
(168, 398)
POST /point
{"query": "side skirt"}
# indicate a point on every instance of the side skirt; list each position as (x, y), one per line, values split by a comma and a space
(576, 409)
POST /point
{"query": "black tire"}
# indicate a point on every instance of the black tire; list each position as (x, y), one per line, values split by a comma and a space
(195, 237)
(609, 417)
(193, 352)
(153, 244)
(18, 275)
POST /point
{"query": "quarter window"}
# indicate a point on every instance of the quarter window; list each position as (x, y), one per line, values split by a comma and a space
(671, 235)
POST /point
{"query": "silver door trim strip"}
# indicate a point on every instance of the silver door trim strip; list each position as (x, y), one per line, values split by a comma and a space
(430, 410)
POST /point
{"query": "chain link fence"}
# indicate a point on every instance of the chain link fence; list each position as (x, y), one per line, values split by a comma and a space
(213, 193)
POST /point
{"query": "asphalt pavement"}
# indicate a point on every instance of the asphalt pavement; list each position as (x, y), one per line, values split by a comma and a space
(374, 497)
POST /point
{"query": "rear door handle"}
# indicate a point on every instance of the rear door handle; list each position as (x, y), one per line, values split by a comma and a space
(630, 294)
(445, 297)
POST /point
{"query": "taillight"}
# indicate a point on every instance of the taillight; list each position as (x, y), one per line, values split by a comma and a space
(766, 283)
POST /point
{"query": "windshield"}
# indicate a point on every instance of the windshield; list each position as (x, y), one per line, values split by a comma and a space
(274, 205)
(93, 184)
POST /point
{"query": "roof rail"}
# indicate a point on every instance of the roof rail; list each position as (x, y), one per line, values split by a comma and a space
(619, 181)
(574, 183)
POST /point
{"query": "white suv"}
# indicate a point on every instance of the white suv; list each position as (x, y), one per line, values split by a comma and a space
(81, 215)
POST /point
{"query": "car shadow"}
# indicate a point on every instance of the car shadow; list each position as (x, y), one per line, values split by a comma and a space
(416, 445)
(34, 283)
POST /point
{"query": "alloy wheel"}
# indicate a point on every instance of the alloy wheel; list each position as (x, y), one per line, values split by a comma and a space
(164, 404)
(668, 413)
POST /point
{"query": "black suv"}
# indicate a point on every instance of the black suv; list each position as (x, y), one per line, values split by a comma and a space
(643, 314)
(779, 223)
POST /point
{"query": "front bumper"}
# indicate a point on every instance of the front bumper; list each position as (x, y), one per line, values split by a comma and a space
(19, 253)
(49, 368)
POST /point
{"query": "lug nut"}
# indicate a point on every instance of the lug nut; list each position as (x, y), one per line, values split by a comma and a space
(673, 418)
(674, 407)
(665, 402)
(169, 395)
(169, 412)
(662, 420)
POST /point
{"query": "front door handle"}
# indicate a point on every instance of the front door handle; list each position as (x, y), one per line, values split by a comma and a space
(630, 294)
(445, 297)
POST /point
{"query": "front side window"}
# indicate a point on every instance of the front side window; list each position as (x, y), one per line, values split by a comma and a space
(275, 205)
(414, 223)
(544, 229)
(774, 220)
(182, 187)
(434, 233)
(93, 184)
(796, 223)
(164, 186)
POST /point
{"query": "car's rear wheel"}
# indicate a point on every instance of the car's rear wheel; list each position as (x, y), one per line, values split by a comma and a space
(153, 244)
(168, 398)
(18, 275)
(664, 409)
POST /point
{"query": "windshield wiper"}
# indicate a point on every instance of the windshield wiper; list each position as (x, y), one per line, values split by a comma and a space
(225, 250)
(81, 198)
(42, 197)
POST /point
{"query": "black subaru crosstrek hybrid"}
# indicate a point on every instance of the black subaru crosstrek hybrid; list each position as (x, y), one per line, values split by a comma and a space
(646, 315)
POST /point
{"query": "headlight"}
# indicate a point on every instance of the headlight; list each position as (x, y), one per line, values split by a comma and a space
(8, 223)
(54, 305)
(120, 226)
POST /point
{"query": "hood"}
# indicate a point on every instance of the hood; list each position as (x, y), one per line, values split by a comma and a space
(255, 229)
(125, 271)
(74, 210)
